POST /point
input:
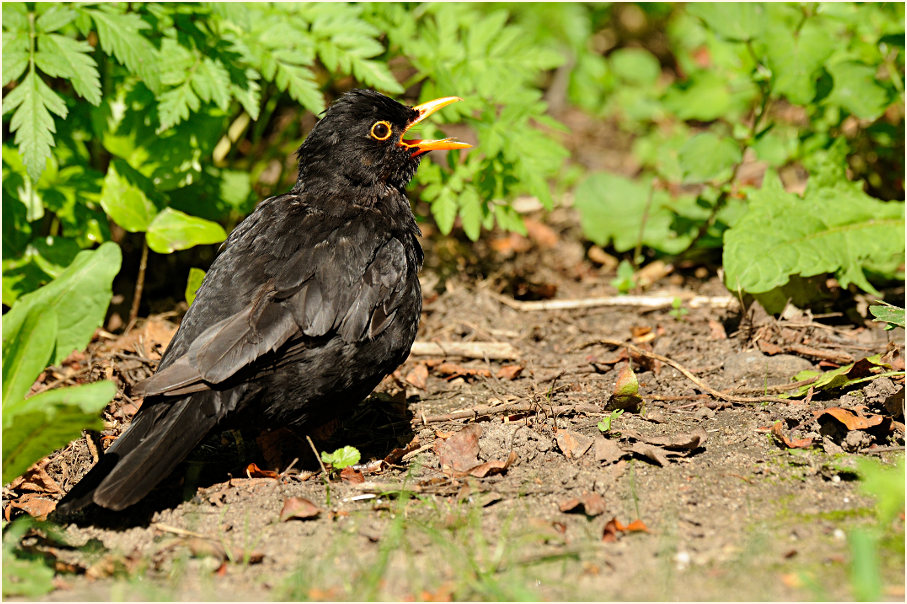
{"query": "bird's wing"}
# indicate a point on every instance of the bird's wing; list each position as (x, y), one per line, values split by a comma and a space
(354, 291)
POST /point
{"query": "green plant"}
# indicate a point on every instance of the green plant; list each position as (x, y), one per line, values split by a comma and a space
(891, 315)
(677, 310)
(605, 424)
(736, 76)
(626, 277)
(341, 458)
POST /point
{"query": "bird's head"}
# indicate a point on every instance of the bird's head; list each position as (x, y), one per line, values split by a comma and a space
(360, 140)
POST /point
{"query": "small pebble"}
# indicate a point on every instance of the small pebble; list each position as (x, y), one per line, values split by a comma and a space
(839, 535)
(682, 558)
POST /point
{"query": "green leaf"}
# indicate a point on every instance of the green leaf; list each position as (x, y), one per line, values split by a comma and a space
(196, 276)
(444, 209)
(836, 229)
(856, 90)
(796, 57)
(120, 34)
(635, 65)
(176, 105)
(888, 314)
(59, 56)
(80, 296)
(707, 157)
(125, 200)
(173, 230)
(35, 427)
(55, 17)
(33, 102)
(341, 458)
(733, 21)
(471, 213)
(15, 55)
(27, 347)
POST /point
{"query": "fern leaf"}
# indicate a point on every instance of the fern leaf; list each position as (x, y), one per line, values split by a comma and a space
(15, 55)
(120, 35)
(59, 56)
(33, 102)
(176, 104)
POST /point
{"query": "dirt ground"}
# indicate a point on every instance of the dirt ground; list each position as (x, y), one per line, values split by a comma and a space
(521, 495)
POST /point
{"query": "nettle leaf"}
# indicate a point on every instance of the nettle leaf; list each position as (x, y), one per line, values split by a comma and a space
(707, 157)
(59, 56)
(124, 199)
(80, 296)
(33, 102)
(856, 90)
(173, 230)
(836, 230)
(27, 347)
(36, 426)
(120, 34)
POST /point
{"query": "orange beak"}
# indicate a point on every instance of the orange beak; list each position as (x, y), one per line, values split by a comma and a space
(419, 146)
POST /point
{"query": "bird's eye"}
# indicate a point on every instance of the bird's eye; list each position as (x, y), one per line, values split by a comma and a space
(381, 131)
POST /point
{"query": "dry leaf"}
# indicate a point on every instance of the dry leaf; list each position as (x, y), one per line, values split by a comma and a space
(351, 475)
(590, 504)
(796, 443)
(396, 456)
(572, 444)
(769, 348)
(651, 452)
(613, 527)
(685, 441)
(460, 452)
(642, 334)
(493, 467)
(716, 330)
(852, 419)
(253, 471)
(542, 234)
(34, 505)
(299, 508)
(418, 377)
(451, 371)
(606, 450)
(510, 372)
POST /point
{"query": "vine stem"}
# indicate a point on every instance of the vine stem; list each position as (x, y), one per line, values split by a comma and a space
(139, 286)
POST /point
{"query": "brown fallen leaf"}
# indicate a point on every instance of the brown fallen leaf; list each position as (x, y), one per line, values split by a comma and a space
(613, 527)
(492, 467)
(542, 234)
(572, 444)
(769, 348)
(298, 508)
(418, 377)
(451, 371)
(642, 333)
(33, 504)
(782, 439)
(351, 475)
(685, 441)
(396, 456)
(460, 452)
(851, 418)
(253, 471)
(716, 330)
(606, 450)
(651, 452)
(36, 479)
(510, 372)
(590, 504)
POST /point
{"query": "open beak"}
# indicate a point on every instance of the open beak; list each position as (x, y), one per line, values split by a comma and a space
(419, 146)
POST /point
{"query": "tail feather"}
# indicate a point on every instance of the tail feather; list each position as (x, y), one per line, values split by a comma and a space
(159, 438)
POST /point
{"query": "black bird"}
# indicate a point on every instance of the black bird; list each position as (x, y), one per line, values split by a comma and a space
(312, 300)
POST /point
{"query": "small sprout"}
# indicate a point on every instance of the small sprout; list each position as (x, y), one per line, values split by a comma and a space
(626, 279)
(605, 424)
(341, 458)
(677, 310)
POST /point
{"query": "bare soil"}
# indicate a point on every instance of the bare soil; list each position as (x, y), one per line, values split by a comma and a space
(736, 515)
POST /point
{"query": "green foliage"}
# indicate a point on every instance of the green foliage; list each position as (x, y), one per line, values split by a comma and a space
(626, 277)
(196, 276)
(605, 424)
(341, 458)
(892, 316)
(43, 328)
(815, 87)
(677, 310)
(25, 574)
(842, 377)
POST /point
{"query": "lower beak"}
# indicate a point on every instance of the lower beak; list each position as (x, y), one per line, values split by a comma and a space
(419, 146)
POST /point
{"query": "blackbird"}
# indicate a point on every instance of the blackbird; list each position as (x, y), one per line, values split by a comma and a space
(311, 301)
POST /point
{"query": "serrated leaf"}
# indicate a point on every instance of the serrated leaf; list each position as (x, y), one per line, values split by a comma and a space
(55, 17)
(299, 82)
(471, 213)
(249, 95)
(33, 102)
(125, 202)
(27, 348)
(444, 209)
(15, 17)
(15, 55)
(733, 21)
(377, 75)
(707, 157)
(212, 82)
(831, 230)
(176, 104)
(795, 57)
(173, 230)
(59, 56)
(34, 427)
(196, 276)
(80, 296)
(120, 34)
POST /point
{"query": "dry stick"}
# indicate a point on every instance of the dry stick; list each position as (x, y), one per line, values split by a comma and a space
(317, 456)
(686, 372)
(471, 350)
(654, 301)
(475, 412)
(139, 286)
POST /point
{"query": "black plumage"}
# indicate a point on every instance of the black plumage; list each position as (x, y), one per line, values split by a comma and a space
(312, 300)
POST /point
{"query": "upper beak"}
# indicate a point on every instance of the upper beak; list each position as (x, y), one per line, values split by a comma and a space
(419, 146)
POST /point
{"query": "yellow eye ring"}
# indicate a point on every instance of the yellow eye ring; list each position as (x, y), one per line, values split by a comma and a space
(381, 131)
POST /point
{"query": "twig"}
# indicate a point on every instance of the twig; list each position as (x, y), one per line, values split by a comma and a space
(317, 456)
(139, 286)
(841, 358)
(166, 528)
(654, 301)
(476, 412)
(882, 450)
(689, 375)
(642, 226)
(470, 350)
